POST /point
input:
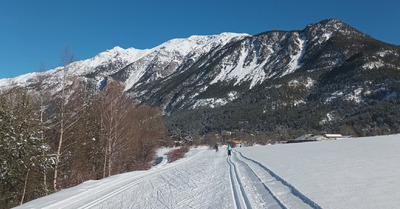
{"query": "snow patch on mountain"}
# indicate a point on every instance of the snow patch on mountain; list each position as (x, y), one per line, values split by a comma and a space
(254, 70)
(355, 96)
(241, 71)
(199, 43)
(327, 36)
(295, 63)
(334, 96)
(373, 65)
(384, 53)
(328, 118)
(117, 53)
(169, 56)
(215, 102)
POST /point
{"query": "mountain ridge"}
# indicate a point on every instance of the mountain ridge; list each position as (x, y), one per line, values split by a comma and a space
(328, 65)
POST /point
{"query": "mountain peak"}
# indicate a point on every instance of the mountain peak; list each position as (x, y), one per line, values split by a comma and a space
(116, 48)
(331, 21)
(328, 23)
(332, 26)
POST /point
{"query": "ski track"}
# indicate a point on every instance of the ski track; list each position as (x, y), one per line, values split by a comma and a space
(239, 195)
(285, 195)
(183, 186)
(203, 179)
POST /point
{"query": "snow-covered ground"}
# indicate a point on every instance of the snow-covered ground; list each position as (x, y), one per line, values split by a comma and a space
(346, 173)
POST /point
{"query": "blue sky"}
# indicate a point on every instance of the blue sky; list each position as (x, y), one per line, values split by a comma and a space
(36, 32)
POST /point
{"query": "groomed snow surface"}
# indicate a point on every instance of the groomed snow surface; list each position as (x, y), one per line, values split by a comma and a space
(346, 173)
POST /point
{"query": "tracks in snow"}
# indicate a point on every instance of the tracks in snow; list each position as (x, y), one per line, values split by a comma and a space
(203, 179)
(256, 186)
(239, 194)
(97, 195)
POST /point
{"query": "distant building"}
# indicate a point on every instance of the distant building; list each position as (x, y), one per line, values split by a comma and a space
(304, 138)
(333, 136)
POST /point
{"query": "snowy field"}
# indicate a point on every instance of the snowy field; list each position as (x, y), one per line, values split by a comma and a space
(346, 173)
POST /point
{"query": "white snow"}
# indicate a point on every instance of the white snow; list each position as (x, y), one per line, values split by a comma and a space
(384, 53)
(174, 50)
(177, 50)
(203, 43)
(295, 63)
(5, 82)
(79, 68)
(298, 102)
(326, 36)
(134, 77)
(210, 102)
(355, 95)
(329, 117)
(307, 82)
(117, 53)
(241, 71)
(334, 95)
(373, 65)
(215, 102)
(345, 173)
(293, 83)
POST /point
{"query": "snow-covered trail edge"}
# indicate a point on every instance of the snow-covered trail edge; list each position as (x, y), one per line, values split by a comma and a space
(285, 195)
(134, 181)
(348, 173)
(203, 179)
(93, 192)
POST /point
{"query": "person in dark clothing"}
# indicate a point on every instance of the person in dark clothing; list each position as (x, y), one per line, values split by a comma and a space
(216, 147)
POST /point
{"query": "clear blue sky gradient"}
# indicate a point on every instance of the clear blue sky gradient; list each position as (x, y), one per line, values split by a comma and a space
(35, 32)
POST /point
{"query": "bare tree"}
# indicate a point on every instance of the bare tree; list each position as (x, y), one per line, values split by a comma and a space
(42, 97)
(132, 132)
(115, 108)
(24, 190)
(67, 59)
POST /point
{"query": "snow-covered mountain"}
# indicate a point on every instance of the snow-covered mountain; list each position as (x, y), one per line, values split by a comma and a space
(261, 59)
(132, 65)
(249, 79)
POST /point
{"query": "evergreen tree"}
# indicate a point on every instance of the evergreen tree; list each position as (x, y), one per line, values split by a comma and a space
(21, 148)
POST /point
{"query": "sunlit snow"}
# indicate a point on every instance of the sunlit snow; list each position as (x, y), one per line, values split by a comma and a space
(295, 63)
(240, 71)
(359, 173)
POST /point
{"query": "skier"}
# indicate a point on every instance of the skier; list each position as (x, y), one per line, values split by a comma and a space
(229, 150)
(216, 147)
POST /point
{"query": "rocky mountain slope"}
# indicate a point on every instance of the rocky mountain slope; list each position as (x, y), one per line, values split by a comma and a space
(326, 77)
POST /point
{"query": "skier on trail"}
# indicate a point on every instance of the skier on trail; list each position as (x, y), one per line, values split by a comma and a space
(216, 147)
(229, 150)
